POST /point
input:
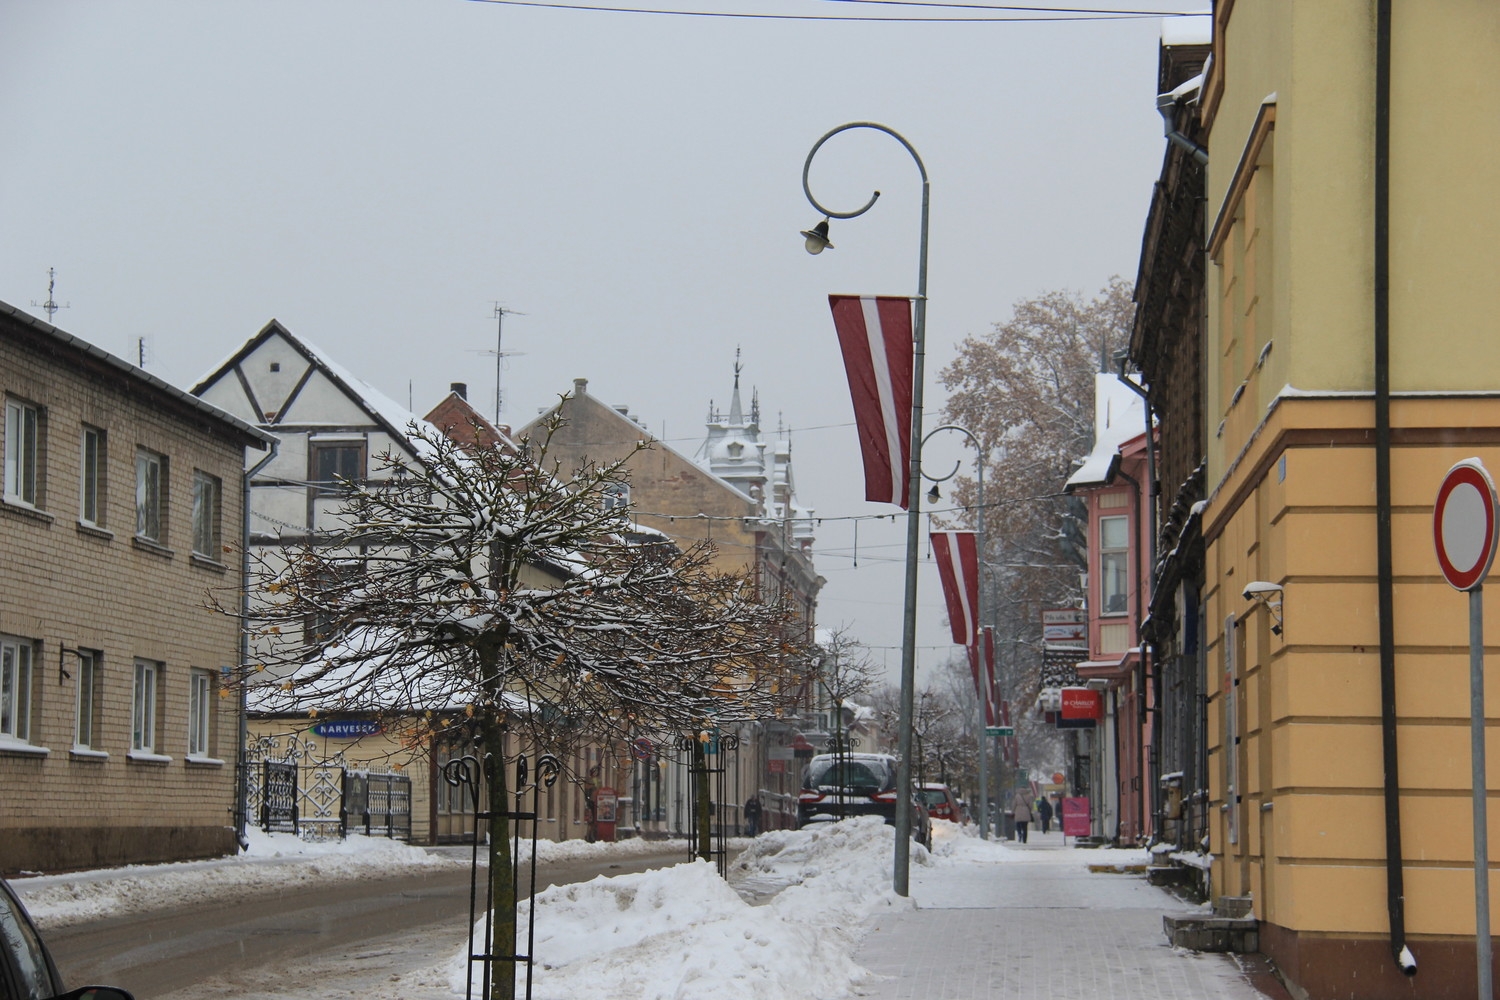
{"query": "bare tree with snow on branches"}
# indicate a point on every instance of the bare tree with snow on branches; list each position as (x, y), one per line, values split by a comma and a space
(486, 580)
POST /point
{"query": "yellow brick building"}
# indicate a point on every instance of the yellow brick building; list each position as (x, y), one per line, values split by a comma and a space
(122, 509)
(1315, 209)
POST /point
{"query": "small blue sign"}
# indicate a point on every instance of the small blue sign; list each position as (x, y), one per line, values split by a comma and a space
(347, 729)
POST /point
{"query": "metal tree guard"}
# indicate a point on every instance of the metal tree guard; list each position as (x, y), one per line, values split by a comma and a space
(463, 773)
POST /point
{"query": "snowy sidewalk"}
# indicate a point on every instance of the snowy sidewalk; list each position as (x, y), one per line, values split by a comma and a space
(1032, 921)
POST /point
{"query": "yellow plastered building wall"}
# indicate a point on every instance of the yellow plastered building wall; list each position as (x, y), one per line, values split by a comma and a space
(1295, 718)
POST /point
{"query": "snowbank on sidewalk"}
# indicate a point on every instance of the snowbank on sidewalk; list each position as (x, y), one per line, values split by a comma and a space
(683, 932)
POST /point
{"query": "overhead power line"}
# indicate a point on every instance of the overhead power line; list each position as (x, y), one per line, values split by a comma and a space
(1019, 14)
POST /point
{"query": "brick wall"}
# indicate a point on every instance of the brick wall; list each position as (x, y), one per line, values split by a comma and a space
(71, 586)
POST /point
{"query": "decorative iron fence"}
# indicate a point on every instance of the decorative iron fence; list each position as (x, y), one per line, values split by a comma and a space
(294, 789)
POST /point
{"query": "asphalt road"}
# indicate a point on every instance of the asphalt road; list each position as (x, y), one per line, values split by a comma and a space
(247, 946)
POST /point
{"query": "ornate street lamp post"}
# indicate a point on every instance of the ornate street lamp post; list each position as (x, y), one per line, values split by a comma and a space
(980, 452)
(817, 241)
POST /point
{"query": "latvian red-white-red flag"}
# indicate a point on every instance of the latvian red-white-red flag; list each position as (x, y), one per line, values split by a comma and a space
(875, 334)
(984, 679)
(957, 554)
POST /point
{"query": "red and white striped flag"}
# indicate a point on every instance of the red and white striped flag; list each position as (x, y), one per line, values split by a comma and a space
(984, 678)
(875, 334)
(957, 554)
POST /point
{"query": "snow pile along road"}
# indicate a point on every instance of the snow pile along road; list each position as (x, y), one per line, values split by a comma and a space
(272, 863)
(683, 932)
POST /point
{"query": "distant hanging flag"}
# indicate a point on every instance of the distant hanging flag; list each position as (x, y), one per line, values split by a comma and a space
(875, 334)
(957, 554)
(984, 679)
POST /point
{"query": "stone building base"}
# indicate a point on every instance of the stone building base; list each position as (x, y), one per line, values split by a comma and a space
(59, 848)
(1326, 967)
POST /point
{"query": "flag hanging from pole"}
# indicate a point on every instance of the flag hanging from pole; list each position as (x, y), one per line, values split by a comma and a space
(875, 335)
(984, 678)
(957, 554)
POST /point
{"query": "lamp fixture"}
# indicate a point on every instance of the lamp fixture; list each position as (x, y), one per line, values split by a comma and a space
(934, 495)
(817, 238)
(1269, 596)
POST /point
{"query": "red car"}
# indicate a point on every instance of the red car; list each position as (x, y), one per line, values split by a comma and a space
(940, 801)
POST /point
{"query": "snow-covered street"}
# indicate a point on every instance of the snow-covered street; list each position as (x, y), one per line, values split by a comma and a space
(790, 924)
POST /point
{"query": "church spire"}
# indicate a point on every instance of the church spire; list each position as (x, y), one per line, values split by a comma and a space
(736, 413)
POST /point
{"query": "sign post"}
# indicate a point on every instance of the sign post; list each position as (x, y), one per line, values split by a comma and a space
(1463, 526)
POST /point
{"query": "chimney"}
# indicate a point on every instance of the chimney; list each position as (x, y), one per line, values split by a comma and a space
(459, 389)
(580, 386)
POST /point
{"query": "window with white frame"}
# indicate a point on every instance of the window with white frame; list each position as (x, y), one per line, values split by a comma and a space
(206, 494)
(23, 435)
(86, 723)
(150, 495)
(1114, 565)
(143, 706)
(200, 712)
(91, 477)
(15, 688)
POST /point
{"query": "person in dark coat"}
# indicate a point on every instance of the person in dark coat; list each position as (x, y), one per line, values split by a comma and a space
(1044, 813)
(752, 816)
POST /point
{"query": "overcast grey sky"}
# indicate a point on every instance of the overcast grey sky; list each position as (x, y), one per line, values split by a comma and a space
(376, 174)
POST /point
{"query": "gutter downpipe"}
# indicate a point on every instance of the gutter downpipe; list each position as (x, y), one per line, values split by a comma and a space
(1395, 890)
(1153, 503)
(1166, 104)
(241, 761)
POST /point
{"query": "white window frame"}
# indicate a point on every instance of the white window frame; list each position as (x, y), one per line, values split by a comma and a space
(208, 492)
(91, 464)
(23, 439)
(17, 680)
(86, 714)
(143, 695)
(1114, 562)
(200, 712)
(150, 498)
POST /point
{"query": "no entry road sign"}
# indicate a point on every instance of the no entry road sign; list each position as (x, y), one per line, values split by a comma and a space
(1463, 524)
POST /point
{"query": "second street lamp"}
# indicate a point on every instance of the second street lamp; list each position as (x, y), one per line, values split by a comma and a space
(982, 666)
(818, 237)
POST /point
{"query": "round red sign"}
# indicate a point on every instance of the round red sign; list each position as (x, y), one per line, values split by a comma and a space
(1463, 524)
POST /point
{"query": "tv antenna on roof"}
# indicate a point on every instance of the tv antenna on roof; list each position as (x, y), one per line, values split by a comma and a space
(500, 353)
(51, 306)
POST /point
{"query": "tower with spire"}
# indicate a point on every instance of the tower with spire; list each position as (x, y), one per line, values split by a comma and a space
(733, 450)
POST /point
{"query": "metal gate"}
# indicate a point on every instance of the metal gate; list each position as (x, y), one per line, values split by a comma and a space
(379, 804)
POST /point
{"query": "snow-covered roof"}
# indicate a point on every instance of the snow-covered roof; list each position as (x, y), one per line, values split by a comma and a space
(1196, 28)
(1119, 415)
(394, 418)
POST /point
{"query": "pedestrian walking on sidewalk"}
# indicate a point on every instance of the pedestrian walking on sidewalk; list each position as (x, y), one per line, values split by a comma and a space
(1044, 814)
(752, 815)
(1020, 807)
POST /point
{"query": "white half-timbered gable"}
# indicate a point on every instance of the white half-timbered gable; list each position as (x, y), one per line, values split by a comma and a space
(331, 424)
